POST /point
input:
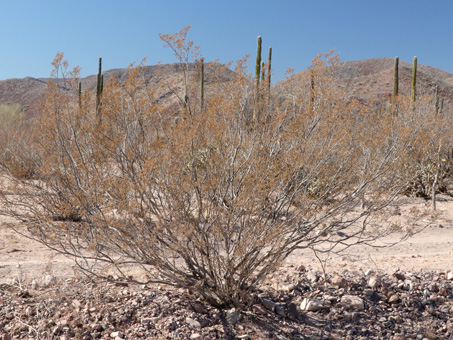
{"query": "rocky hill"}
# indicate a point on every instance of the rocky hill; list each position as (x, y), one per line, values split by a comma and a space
(163, 80)
(363, 79)
(373, 79)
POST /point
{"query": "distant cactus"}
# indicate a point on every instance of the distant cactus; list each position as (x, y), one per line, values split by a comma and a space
(312, 89)
(263, 72)
(99, 87)
(414, 80)
(395, 78)
(80, 95)
(269, 68)
(258, 65)
(269, 71)
(436, 101)
(202, 84)
(257, 75)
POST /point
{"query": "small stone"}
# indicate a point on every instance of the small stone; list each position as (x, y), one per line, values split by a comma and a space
(352, 301)
(29, 311)
(48, 280)
(243, 337)
(399, 337)
(393, 298)
(399, 276)
(312, 276)
(293, 313)
(443, 291)
(199, 308)
(195, 336)
(76, 303)
(408, 284)
(374, 281)
(311, 305)
(288, 288)
(280, 311)
(368, 292)
(193, 323)
(232, 316)
(34, 285)
(339, 281)
(369, 272)
(434, 288)
(259, 309)
(268, 304)
(450, 276)
(116, 335)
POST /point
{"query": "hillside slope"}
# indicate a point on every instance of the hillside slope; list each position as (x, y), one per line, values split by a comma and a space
(163, 80)
(370, 79)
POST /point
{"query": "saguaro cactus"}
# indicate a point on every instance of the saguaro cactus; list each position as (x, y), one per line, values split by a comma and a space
(436, 101)
(414, 80)
(269, 71)
(99, 87)
(312, 89)
(80, 95)
(258, 69)
(269, 68)
(395, 78)
(202, 84)
(263, 72)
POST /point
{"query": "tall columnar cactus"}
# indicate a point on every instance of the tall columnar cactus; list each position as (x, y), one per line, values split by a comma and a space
(395, 78)
(269, 70)
(414, 80)
(436, 101)
(312, 89)
(257, 72)
(202, 84)
(263, 72)
(99, 87)
(80, 95)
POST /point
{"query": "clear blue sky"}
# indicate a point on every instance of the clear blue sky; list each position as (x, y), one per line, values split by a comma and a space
(126, 31)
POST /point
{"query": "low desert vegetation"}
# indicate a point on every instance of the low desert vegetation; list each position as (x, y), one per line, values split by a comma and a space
(215, 195)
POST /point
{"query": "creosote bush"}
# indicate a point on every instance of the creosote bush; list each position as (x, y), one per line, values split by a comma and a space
(213, 202)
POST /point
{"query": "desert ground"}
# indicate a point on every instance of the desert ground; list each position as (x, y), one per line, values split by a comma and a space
(399, 293)
(429, 249)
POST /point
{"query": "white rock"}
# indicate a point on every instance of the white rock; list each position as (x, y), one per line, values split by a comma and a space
(34, 285)
(352, 301)
(369, 272)
(116, 335)
(374, 281)
(312, 276)
(311, 305)
(450, 276)
(193, 323)
(49, 280)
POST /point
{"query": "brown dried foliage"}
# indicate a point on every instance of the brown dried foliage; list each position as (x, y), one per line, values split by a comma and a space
(214, 201)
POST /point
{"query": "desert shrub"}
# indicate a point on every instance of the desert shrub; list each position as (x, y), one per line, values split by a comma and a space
(15, 132)
(210, 201)
(429, 156)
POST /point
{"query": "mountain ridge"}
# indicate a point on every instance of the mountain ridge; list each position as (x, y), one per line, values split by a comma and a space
(367, 79)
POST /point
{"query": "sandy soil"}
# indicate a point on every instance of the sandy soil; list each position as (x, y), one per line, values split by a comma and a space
(431, 249)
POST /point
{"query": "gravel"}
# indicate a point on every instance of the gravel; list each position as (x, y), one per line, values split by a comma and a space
(351, 305)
